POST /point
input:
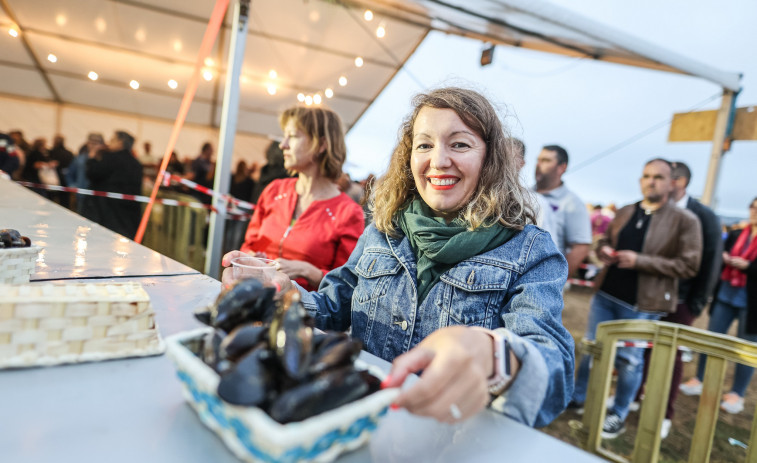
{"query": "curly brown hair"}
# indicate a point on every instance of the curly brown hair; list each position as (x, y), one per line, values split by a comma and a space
(500, 197)
(323, 126)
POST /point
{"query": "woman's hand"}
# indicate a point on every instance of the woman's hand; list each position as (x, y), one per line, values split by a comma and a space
(456, 362)
(739, 263)
(227, 277)
(281, 280)
(301, 269)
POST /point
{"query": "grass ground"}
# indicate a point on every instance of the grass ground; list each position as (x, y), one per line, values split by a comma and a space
(676, 447)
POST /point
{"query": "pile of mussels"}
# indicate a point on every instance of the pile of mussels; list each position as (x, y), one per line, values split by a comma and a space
(269, 356)
(10, 238)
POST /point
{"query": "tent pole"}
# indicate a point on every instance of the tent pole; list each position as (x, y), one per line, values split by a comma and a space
(722, 128)
(227, 132)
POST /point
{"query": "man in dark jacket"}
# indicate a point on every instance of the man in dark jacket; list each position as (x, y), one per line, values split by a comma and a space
(116, 170)
(646, 248)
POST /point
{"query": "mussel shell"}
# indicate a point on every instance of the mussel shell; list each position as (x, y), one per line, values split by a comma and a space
(335, 355)
(210, 351)
(204, 315)
(326, 392)
(244, 302)
(243, 339)
(290, 339)
(250, 381)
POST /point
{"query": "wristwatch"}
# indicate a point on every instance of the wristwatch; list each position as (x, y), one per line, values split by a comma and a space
(502, 376)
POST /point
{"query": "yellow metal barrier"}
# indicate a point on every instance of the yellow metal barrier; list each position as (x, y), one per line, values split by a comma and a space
(666, 337)
(178, 231)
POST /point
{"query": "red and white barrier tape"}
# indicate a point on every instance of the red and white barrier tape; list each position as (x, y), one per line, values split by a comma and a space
(127, 197)
(643, 345)
(167, 177)
(580, 282)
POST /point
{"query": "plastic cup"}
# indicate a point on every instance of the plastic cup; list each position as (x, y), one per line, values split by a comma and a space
(254, 267)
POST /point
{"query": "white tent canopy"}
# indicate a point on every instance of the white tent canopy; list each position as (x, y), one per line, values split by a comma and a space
(309, 45)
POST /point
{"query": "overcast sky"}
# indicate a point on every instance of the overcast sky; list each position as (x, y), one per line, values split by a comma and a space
(589, 107)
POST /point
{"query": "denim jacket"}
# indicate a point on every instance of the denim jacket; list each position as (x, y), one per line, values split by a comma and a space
(516, 288)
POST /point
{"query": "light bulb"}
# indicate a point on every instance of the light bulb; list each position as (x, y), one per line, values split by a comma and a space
(317, 98)
(271, 89)
(329, 93)
(173, 84)
(207, 74)
(13, 32)
(308, 100)
(300, 97)
(359, 62)
(342, 81)
(272, 74)
(134, 84)
(92, 75)
(381, 31)
(368, 15)
(52, 58)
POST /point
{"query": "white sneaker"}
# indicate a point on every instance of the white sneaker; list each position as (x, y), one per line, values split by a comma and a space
(691, 387)
(732, 403)
(665, 430)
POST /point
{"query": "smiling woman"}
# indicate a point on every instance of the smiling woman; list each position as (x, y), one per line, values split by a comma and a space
(453, 279)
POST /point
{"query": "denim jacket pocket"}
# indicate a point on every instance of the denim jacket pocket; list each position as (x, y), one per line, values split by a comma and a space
(474, 294)
(377, 270)
(372, 267)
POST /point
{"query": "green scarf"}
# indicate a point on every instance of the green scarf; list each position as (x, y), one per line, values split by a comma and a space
(438, 246)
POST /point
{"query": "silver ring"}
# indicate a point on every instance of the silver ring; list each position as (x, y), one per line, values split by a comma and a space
(455, 412)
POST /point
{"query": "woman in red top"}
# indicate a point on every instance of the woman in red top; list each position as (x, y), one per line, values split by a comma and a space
(306, 223)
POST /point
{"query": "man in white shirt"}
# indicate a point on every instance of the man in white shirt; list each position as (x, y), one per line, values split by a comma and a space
(572, 226)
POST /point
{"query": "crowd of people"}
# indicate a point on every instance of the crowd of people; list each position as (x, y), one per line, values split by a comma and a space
(120, 167)
(449, 265)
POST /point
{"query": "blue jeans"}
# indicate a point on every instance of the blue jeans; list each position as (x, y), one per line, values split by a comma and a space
(723, 314)
(629, 361)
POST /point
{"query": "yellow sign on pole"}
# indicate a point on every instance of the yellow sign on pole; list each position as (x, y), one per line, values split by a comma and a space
(700, 125)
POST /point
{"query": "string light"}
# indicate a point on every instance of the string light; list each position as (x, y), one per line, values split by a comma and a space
(207, 74)
(209, 62)
(342, 81)
(329, 93)
(92, 75)
(173, 84)
(381, 31)
(13, 32)
(273, 74)
(317, 98)
(271, 89)
(368, 15)
(300, 97)
(359, 62)
(100, 25)
(134, 84)
(308, 100)
(52, 58)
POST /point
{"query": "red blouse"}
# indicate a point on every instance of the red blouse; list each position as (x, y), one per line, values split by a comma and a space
(324, 235)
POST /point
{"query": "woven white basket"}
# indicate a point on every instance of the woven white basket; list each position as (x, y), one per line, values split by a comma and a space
(17, 264)
(48, 324)
(253, 436)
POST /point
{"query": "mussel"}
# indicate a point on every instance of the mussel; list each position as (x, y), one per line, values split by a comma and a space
(10, 238)
(290, 339)
(244, 302)
(242, 339)
(326, 392)
(251, 381)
